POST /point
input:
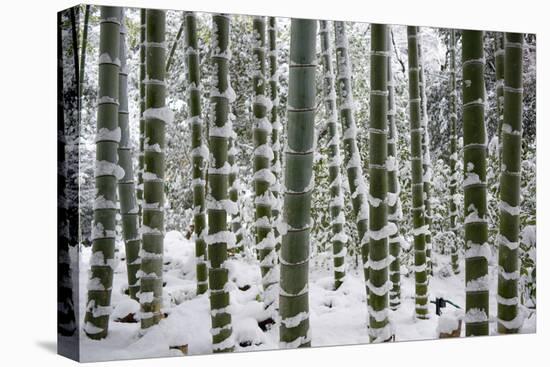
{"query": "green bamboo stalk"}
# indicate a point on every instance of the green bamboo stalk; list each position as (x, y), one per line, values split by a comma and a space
(156, 115)
(394, 203)
(426, 160)
(276, 127)
(475, 187)
(236, 219)
(199, 152)
(499, 74)
(142, 52)
(339, 237)
(126, 184)
(263, 177)
(380, 229)
(84, 44)
(453, 208)
(352, 159)
(107, 172)
(293, 298)
(509, 319)
(420, 229)
(174, 45)
(219, 206)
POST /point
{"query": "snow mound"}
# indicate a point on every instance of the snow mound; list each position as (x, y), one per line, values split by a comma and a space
(125, 308)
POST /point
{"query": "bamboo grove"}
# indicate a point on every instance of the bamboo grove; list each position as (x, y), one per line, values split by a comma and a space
(296, 116)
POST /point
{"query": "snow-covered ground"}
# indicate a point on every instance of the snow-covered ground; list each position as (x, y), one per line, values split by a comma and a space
(336, 317)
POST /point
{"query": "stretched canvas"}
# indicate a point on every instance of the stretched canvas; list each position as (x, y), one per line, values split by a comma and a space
(232, 183)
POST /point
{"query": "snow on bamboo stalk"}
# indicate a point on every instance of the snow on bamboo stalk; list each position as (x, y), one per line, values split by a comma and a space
(218, 203)
(380, 229)
(420, 229)
(426, 159)
(509, 318)
(263, 177)
(276, 127)
(126, 185)
(453, 207)
(352, 159)
(156, 115)
(199, 150)
(107, 171)
(394, 203)
(475, 188)
(499, 74)
(339, 237)
(139, 190)
(294, 292)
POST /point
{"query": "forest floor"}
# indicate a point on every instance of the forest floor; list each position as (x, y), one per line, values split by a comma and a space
(336, 317)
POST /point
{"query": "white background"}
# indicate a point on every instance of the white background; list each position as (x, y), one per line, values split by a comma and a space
(28, 180)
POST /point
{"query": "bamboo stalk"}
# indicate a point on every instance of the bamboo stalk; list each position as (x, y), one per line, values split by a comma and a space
(293, 297)
(276, 127)
(339, 237)
(499, 74)
(426, 160)
(453, 207)
(219, 205)
(394, 203)
(475, 186)
(418, 209)
(380, 229)
(352, 159)
(142, 52)
(199, 152)
(107, 171)
(263, 177)
(126, 185)
(509, 318)
(156, 115)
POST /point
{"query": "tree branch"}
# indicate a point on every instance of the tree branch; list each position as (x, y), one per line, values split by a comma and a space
(403, 69)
